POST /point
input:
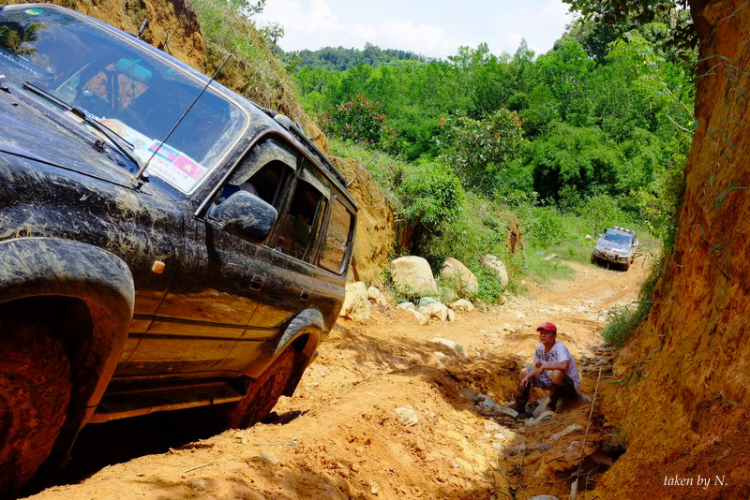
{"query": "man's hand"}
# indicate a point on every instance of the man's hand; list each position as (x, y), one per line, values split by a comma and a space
(525, 381)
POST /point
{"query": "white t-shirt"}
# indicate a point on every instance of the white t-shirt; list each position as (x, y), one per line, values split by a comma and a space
(558, 354)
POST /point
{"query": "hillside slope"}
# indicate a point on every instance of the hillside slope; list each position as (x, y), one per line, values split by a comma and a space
(689, 417)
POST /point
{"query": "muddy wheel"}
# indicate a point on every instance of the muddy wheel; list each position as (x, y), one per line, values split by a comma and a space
(262, 395)
(34, 395)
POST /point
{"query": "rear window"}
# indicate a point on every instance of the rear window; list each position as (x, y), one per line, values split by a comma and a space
(337, 238)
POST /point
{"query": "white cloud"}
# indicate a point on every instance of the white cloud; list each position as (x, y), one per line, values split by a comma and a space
(434, 28)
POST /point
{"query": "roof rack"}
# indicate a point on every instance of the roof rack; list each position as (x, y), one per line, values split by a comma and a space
(287, 123)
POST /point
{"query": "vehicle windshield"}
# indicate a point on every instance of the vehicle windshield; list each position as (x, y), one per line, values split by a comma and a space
(138, 96)
(620, 239)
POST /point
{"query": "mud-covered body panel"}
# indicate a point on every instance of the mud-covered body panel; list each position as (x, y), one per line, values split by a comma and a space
(206, 303)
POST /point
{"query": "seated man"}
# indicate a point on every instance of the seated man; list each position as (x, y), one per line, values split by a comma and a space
(554, 370)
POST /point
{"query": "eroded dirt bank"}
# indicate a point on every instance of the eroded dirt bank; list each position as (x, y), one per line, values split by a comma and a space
(690, 417)
(340, 435)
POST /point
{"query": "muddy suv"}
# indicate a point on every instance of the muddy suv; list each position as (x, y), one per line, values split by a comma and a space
(616, 246)
(143, 270)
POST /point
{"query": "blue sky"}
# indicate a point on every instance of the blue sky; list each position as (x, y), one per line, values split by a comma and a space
(434, 28)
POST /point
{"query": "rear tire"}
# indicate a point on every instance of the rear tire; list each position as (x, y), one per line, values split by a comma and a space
(35, 384)
(262, 395)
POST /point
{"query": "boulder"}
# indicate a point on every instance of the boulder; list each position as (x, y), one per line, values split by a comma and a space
(413, 274)
(588, 237)
(451, 315)
(462, 305)
(465, 283)
(496, 265)
(422, 319)
(451, 345)
(356, 305)
(435, 310)
(406, 305)
(376, 296)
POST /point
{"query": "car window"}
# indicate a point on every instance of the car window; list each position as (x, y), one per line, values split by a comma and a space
(337, 238)
(296, 230)
(617, 238)
(136, 94)
(269, 184)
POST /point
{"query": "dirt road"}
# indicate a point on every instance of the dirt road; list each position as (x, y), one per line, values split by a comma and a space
(340, 435)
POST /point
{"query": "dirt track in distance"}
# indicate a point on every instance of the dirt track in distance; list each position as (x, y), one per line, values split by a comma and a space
(339, 436)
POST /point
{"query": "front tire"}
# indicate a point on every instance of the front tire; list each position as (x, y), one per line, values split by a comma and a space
(35, 384)
(262, 395)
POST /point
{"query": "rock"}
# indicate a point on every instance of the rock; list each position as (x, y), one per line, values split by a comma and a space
(494, 264)
(568, 430)
(406, 306)
(376, 296)
(356, 305)
(440, 357)
(520, 315)
(544, 416)
(573, 445)
(514, 450)
(487, 407)
(542, 447)
(269, 457)
(465, 283)
(414, 274)
(461, 305)
(543, 497)
(199, 485)
(453, 346)
(422, 319)
(584, 397)
(374, 489)
(550, 256)
(451, 315)
(491, 425)
(581, 309)
(435, 310)
(407, 416)
(499, 436)
(426, 301)
(541, 407)
(588, 237)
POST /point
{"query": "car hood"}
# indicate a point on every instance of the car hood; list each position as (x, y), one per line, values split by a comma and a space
(45, 135)
(612, 245)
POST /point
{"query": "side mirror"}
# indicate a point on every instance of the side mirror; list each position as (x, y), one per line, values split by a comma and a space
(245, 215)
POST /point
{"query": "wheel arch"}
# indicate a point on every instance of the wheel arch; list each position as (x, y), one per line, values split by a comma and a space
(44, 271)
(302, 333)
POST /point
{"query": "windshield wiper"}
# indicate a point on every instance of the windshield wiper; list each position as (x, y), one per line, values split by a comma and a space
(123, 145)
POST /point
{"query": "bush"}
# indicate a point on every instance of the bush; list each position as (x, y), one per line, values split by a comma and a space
(432, 197)
(480, 150)
(358, 119)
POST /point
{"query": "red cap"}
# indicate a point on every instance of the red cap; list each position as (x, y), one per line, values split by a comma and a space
(547, 326)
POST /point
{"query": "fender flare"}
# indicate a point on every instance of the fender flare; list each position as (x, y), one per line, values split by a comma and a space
(308, 322)
(34, 267)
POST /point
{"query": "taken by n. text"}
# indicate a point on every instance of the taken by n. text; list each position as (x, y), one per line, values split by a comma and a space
(703, 482)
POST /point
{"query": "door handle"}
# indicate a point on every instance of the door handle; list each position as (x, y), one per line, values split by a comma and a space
(257, 282)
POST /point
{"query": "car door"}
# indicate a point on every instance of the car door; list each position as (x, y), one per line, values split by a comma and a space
(290, 251)
(208, 307)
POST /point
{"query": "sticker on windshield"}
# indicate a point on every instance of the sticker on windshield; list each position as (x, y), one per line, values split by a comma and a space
(169, 164)
(34, 12)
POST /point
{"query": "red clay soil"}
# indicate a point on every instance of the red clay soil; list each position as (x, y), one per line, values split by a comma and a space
(340, 437)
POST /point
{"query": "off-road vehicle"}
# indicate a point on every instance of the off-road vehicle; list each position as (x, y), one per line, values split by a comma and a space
(617, 246)
(143, 270)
